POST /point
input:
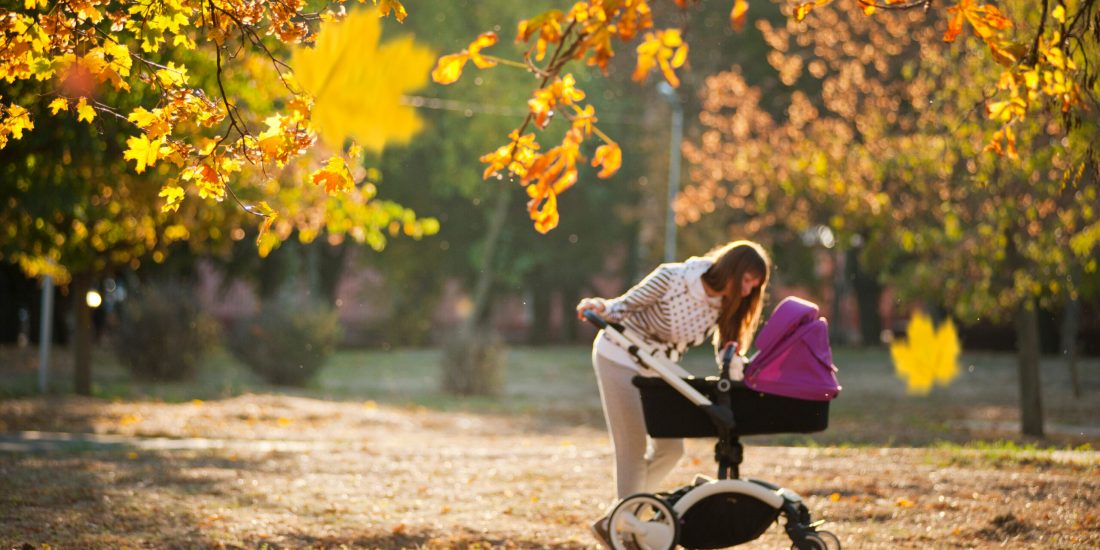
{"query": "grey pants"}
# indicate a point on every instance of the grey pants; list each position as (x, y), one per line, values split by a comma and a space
(641, 462)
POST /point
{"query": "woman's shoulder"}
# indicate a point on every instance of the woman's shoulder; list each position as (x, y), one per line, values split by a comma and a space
(685, 271)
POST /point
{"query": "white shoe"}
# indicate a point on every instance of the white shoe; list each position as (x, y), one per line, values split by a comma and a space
(600, 532)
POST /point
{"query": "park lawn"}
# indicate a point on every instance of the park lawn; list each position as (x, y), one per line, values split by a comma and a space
(373, 455)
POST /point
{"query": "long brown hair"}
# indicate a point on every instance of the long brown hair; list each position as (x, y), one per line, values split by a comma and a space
(739, 316)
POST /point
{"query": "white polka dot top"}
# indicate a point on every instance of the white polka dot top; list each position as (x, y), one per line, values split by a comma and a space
(670, 307)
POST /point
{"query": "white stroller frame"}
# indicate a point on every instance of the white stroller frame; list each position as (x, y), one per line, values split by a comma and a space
(650, 522)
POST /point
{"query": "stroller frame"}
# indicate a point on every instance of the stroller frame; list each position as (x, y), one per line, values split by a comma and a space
(650, 521)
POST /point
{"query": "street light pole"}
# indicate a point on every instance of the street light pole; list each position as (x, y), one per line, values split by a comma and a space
(44, 336)
(677, 136)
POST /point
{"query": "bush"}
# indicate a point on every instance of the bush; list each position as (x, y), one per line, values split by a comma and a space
(473, 363)
(288, 341)
(162, 334)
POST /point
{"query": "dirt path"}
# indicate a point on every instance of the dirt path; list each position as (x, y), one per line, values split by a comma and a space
(294, 472)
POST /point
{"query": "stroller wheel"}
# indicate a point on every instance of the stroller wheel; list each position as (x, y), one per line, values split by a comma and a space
(644, 522)
(818, 540)
(832, 542)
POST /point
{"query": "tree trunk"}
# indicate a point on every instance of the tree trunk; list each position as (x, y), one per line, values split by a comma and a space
(473, 364)
(868, 293)
(1071, 323)
(82, 344)
(1027, 347)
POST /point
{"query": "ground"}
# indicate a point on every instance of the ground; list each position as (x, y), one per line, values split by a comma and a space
(300, 470)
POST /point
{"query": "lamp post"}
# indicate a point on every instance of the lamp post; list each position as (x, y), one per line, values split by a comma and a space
(677, 135)
(44, 336)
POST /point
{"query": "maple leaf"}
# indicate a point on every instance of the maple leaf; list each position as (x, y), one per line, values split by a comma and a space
(19, 119)
(59, 104)
(334, 176)
(84, 112)
(357, 83)
(173, 196)
(266, 240)
(142, 151)
(929, 355)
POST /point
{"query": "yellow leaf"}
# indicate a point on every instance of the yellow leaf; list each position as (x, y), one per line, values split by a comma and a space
(358, 83)
(928, 356)
(802, 10)
(392, 6)
(19, 119)
(1059, 13)
(142, 151)
(173, 196)
(266, 240)
(334, 176)
(737, 15)
(173, 75)
(449, 68)
(58, 105)
(84, 112)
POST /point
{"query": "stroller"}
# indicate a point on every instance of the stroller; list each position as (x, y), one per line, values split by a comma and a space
(784, 388)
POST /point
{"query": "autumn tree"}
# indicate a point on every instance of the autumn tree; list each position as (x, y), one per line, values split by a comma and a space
(116, 112)
(890, 144)
(1035, 76)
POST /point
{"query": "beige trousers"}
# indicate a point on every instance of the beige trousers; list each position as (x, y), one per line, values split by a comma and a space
(641, 462)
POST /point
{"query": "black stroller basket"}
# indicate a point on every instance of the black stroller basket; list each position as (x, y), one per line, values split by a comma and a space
(669, 414)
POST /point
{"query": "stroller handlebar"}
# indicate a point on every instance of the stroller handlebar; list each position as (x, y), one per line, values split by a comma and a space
(594, 318)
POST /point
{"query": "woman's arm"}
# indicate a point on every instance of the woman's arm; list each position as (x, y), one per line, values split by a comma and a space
(642, 295)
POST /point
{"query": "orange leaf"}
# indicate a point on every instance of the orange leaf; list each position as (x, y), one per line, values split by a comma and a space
(737, 15)
(483, 41)
(611, 157)
(334, 176)
(449, 68)
(955, 25)
(545, 215)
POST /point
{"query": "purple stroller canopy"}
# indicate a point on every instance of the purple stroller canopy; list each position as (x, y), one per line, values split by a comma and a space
(794, 359)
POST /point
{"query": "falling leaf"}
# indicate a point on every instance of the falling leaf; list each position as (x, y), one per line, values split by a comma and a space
(357, 83)
(928, 356)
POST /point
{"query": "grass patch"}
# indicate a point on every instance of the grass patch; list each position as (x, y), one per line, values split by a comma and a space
(556, 384)
(1003, 454)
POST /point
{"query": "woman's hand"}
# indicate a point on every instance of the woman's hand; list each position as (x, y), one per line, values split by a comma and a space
(590, 304)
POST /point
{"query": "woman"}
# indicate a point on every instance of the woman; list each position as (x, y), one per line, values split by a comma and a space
(676, 306)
